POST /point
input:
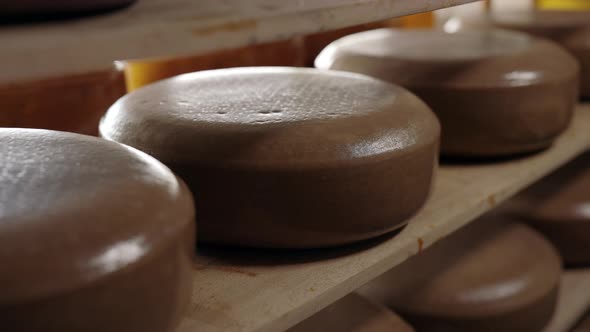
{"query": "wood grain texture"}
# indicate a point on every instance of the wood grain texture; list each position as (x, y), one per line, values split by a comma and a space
(256, 290)
(165, 28)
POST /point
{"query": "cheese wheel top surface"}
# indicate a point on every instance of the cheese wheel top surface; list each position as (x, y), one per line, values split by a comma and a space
(466, 59)
(74, 209)
(508, 269)
(271, 116)
(431, 45)
(353, 313)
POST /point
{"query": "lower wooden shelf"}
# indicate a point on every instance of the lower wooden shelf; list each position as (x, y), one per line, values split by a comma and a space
(257, 290)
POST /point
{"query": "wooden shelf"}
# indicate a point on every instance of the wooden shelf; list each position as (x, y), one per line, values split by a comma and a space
(573, 302)
(249, 290)
(156, 28)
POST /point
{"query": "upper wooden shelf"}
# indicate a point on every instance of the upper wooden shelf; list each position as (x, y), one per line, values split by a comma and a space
(162, 28)
(256, 290)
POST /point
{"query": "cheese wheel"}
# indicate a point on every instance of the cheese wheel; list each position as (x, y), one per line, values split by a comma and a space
(286, 157)
(571, 29)
(490, 277)
(496, 93)
(559, 207)
(94, 236)
(353, 313)
(72, 103)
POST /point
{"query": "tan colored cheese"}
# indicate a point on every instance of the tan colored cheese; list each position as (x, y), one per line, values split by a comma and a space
(490, 276)
(94, 236)
(571, 29)
(496, 93)
(559, 207)
(286, 157)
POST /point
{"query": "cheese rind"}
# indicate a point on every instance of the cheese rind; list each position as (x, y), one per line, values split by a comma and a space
(90, 231)
(286, 157)
(496, 93)
(494, 275)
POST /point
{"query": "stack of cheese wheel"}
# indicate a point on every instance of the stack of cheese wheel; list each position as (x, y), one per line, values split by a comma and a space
(489, 276)
(353, 313)
(94, 236)
(571, 29)
(496, 93)
(286, 157)
(559, 207)
(72, 103)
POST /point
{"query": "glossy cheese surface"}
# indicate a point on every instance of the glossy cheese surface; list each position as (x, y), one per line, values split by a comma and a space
(273, 153)
(496, 92)
(571, 29)
(85, 223)
(495, 277)
(559, 207)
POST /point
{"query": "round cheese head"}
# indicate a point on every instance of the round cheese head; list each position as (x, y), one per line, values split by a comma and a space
(90, 231)
(494, 275)
(496, 93)
(286, 157)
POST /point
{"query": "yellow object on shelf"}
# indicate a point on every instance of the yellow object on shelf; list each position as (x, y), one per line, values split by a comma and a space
(563, 4)
(282, 53)
(424, 20)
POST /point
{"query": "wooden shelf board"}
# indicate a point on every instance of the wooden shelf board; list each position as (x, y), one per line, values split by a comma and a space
(250, 290)
(573, 302)
(158, 28)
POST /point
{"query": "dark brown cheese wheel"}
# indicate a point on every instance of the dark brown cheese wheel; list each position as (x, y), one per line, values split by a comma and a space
(15, 11)
(353, 313)
(286, 157)
(94, 236)
(487, 278)
(559, 207)
(72, 103)
(496, 93)
(571, 29)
